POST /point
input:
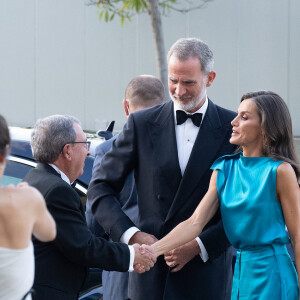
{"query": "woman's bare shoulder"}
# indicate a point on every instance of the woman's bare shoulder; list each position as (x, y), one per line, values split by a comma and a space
(286, 178)
(28, 192)
(285, 172)
(20, 195)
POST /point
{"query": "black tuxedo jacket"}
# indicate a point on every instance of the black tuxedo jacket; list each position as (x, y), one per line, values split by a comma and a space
(61, 266)
(165, 198)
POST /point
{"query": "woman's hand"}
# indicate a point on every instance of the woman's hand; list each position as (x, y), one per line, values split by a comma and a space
(149, 250)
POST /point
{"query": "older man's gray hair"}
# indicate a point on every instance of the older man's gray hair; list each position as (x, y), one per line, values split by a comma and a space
(185, 48)
(50, 135)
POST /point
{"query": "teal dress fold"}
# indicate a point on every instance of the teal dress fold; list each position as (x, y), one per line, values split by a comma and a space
(254, 224)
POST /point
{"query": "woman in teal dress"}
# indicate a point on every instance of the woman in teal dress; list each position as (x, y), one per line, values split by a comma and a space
(258, 193)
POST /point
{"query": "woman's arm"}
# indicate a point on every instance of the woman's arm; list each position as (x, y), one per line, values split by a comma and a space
(44, 227)
(192, 227)
(288, 193)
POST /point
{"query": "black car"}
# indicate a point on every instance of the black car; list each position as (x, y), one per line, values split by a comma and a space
(20, 161)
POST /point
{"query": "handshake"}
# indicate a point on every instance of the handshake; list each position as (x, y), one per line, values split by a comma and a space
(145, 257)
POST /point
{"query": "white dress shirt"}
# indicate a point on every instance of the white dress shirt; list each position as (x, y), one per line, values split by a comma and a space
(65, 178)
(186, 135)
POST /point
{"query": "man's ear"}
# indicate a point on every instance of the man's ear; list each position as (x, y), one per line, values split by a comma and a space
(67, 151)
(210, 78)
(126, 107)
(2, 158)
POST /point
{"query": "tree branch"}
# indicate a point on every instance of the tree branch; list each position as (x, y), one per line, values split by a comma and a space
(186, 10)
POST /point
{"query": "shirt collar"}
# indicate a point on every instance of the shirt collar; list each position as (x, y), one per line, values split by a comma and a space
(201, 110)
(64, 177)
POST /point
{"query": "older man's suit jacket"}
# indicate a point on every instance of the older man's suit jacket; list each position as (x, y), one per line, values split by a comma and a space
(165, 198)
(61, 266)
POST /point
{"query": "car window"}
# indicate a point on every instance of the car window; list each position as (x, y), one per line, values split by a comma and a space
(7, 180)
(14, 173)
(81, 194)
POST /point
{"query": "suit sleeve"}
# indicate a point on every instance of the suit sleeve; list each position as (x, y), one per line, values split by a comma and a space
(75, 241)
(100, 152)
(108, 180)
(91, 222)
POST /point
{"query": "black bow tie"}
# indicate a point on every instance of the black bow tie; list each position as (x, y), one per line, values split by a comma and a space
(181, 117)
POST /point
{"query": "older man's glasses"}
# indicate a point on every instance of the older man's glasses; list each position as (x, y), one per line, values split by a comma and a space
(87, 145)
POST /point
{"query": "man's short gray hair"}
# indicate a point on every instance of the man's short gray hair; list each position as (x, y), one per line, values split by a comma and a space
(49, 135)
(145, 91)
(185, 48)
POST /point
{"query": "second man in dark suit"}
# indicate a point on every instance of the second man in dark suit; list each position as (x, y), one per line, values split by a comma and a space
(142, 92)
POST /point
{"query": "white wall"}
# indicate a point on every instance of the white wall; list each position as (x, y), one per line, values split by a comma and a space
(57, 57)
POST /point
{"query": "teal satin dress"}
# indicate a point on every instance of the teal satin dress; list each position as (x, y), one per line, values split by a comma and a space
(254, 224)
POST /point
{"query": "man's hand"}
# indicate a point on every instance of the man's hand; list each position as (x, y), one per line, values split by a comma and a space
(142, 238)
(178, 257)
(144, 259)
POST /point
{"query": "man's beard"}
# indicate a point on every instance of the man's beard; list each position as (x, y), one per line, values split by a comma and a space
(186, 106)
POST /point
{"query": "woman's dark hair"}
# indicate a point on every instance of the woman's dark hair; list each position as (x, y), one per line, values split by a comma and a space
(4, 136)
(276, 124)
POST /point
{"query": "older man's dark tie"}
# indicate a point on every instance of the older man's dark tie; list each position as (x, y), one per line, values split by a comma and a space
(182, 116)
(73, 184)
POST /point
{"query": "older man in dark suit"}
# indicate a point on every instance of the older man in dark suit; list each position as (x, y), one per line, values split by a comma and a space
(60, 147)
(142, 92)
(171, 148)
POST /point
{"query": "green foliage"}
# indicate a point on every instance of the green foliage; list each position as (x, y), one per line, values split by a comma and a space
(122, 8)
(167, 3)
(125, 9)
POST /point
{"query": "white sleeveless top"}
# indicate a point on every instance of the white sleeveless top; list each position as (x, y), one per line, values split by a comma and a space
(16, 272)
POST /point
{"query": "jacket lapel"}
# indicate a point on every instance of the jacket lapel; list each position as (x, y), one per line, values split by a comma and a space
(163, 138)
(209, 139)
(46, 168)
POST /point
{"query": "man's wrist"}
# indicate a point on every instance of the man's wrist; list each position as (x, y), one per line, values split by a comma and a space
(131, 261)
(128, 234)
(203, 253)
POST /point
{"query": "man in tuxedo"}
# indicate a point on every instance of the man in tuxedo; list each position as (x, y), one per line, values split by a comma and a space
(60, 147)
(142, 92)
(171, 148)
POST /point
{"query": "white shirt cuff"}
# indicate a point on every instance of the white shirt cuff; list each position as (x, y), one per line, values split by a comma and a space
(127, 235)
(203, 254)
(132, 254)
